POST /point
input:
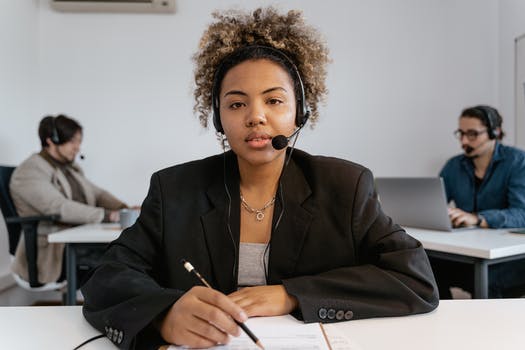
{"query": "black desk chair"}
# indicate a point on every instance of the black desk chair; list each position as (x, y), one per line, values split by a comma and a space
(28, 225)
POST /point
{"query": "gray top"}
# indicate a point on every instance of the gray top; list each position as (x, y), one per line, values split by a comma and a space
(252, 261)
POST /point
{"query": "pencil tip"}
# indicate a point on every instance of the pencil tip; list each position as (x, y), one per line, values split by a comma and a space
(259, 344)
(183, 261)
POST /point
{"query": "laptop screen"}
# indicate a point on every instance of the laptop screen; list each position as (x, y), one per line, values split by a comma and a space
(414, 201)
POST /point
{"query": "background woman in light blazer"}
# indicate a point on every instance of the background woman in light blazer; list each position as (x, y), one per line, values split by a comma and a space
(50, 182)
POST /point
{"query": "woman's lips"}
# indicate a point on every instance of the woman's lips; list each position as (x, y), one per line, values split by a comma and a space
(258, 140)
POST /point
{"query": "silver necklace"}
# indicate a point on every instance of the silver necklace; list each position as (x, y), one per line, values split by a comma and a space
(259, 213)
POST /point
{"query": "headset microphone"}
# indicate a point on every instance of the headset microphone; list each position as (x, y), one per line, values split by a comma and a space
(469, 149)
(82, 157)
(280, 141)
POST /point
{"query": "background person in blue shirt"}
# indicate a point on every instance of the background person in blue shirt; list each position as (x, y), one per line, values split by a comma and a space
(487, 185)
(487, 181)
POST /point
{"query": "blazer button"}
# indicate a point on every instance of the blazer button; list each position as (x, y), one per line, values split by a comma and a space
(322, 313)
(120, 336)
(115, 336)
(340, 315)
(349, 315)
(110, 333)
(331, 314)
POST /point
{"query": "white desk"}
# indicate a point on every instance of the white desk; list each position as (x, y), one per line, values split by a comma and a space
(490, 324)
(89, 233)
(47, 327)
(81, 235)
(480, 247)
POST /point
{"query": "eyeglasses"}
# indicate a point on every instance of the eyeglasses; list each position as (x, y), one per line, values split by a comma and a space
(471, 134)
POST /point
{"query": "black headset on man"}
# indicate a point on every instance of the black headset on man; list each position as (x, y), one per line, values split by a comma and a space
(302, 111)
(55, 136)
(491, 117)
(54, 132)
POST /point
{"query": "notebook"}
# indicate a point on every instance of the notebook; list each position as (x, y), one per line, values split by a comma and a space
(283, 332)
(415, 201)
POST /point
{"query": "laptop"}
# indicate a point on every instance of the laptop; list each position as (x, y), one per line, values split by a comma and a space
(415, 201)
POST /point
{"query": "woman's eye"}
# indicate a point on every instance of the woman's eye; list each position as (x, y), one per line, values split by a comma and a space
(275, 101)
(236, 105)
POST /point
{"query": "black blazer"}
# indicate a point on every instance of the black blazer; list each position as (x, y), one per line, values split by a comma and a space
(333, 248)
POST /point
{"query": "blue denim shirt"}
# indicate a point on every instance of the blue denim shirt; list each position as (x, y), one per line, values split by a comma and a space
(500, 198)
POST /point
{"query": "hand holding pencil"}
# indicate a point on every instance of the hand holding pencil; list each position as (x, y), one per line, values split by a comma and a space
(189, 267)
(202, 318)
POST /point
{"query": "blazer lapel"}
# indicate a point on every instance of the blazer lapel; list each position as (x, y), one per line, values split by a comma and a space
(60, 181)
(288, 238)
(223, 241)
(88, 191)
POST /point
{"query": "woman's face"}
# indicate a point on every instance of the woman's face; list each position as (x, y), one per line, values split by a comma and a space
(67, 151)
(257, 102)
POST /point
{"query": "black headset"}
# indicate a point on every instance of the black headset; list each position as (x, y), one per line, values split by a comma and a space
(54, 132)
(302, 112)
(491, 117)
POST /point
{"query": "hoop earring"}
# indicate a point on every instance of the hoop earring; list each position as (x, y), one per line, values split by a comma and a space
(224, 142)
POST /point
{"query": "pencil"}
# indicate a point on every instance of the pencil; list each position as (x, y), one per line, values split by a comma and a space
(189, 267)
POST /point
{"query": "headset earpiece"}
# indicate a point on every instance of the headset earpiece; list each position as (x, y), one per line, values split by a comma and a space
(54, 132)
(491, 118)
(216, 113)
(303, 113)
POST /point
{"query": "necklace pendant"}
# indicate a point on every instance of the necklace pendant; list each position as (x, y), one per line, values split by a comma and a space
(259, 215)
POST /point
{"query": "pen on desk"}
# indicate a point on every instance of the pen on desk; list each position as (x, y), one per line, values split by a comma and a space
(189, 267)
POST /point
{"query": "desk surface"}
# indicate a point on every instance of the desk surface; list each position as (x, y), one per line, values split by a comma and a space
(480, 243)
(456, 324)
(90, 233)
(46, 328)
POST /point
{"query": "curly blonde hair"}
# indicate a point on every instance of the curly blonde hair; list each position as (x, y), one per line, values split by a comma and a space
(288, 33)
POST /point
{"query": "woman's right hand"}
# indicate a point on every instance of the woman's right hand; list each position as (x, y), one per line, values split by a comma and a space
(201, 318)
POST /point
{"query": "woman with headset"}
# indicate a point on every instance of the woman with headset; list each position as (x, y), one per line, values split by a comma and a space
(51, 182)
(274, 230)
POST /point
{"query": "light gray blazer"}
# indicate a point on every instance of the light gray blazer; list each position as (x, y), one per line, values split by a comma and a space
(38, 188)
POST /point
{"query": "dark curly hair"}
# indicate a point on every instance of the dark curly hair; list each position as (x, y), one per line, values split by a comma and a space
(288, 33)
(489, 117)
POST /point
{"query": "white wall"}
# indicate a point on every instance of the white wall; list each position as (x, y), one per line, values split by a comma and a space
(18, 78)
(511, 26)
(402, 71)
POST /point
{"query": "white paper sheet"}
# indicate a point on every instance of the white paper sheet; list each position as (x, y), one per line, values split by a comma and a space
(340, 341)
(278, 333)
